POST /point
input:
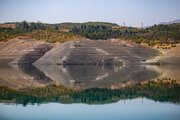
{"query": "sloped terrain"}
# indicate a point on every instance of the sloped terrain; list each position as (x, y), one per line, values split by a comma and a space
(169, 56)
(100, 52)
(108, 63)
(22, 51)
(16, 58)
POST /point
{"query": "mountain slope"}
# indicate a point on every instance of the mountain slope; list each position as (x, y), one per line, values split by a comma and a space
(100, 52)
(22, 51)
(170, 22)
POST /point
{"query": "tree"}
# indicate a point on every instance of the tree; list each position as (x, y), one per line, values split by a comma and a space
(56, 27)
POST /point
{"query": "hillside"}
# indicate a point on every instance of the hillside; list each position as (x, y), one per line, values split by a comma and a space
(169, 56)
(68, 25)
(38, 31)
(52, 36)
(22, 51)
(157, 34)
(170, 22)
(98, 52)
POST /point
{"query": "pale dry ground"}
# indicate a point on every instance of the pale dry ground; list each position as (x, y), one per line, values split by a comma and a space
(97, 52)
(94, 63)
(78, 51)
(22, 51)
(8, 25)
(169, 63)
(168, 56)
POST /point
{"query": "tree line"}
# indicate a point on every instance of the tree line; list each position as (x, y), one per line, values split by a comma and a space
(157, 34)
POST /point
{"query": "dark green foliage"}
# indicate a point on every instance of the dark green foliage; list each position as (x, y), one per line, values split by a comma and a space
(69, 25)
(7, 33)
(51, 36)
(39, 31)
(156, 34)
(24, 27)
(158, 91)
(153, 35)
(164, 33)
(164, 91)
(21, 28)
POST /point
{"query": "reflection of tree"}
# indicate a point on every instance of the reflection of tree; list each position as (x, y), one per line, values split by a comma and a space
(160, 90)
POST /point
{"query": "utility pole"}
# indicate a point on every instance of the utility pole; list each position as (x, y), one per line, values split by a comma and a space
(124, 24)
(142, 24)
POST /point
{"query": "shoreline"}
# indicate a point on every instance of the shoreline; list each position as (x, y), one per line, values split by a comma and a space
(168, 56)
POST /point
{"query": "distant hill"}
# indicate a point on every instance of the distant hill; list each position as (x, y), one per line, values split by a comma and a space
(8, 25)
(65, 25)
(170, 22)
(164, 23)
(69, 25)
(157, 34)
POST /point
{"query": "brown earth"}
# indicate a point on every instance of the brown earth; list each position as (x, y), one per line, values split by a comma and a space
(22, 51)
(97, 52)
(168, 56)
(8, 25)
(16, 58)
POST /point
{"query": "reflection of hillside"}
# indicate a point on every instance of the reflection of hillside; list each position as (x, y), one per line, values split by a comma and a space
(22, 77)
(170, 71)
(91, 76)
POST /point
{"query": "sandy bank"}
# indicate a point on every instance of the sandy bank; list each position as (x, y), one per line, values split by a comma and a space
(168, 56)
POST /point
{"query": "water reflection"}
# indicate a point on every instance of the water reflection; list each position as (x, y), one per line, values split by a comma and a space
(23, 77)
(87, 84)
(83, 76)
(169, 71)
(112, 77)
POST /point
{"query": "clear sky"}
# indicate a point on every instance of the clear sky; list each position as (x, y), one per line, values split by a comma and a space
(132, 12)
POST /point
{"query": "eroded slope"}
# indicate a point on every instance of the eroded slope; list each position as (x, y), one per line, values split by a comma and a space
(100, 52)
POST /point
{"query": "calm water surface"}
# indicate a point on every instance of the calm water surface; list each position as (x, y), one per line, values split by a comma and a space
(78, 77)
(135, 109)
(86, 77)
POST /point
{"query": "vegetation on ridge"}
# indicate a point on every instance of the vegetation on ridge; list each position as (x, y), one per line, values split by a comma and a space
(157, 34)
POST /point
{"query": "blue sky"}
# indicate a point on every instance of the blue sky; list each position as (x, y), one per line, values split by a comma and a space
(132, 12)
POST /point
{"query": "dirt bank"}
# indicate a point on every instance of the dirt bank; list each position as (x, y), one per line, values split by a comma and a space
(22, 51)
(98, 52)
(168, 56)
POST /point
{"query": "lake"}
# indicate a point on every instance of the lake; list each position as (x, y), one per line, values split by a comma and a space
(90, 92)
(136, 109)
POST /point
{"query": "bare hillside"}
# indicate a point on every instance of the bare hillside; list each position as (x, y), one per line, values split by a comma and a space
(22, 51)
(97, 52)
